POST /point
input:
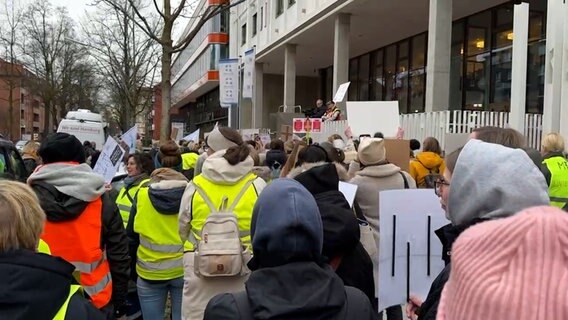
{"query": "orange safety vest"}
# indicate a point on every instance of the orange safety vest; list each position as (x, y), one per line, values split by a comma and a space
(79, 242)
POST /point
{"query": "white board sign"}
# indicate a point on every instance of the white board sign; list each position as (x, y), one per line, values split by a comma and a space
(129, 137)
(228, 82)
(248, 75)
(109, 160)
(368, 117)
(410, 254)
(341, 92)
(349, 191)
(194, 136)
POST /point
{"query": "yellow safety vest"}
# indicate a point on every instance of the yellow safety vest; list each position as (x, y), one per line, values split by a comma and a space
(160, 253)
(43, 247)
(558, 189)
(189, 160)
(123, 200)
(60, 315)
(216, 192)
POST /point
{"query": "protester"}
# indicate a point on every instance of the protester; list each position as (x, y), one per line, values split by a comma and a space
(341, 236)
(513, 268)
(276, 158)
(290, 279)
(217, 140)
(138, 167)
(34, 285)
(189, 160)
(169, 156)
(469, 193)
(158, 247)
(414, 146)
(89, 148)
(225, 183)
(428, 165)
(83, 224)
(377, 175)
(292, 161)
(504, 136)
(332, 113)
(555, 169)
(30, 156)
(258, 169)
(319, 110)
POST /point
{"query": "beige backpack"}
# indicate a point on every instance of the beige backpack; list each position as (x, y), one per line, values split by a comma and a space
(220, 252)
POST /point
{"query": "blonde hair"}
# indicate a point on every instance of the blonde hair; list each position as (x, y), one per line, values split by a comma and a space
(31, 149)
(553, 142)
(21, 217)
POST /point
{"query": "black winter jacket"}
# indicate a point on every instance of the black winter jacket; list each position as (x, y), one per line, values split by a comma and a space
(299, 291)
(35, 286)
(61, 207)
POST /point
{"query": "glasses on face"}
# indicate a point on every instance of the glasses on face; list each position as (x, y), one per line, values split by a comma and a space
(438, 186)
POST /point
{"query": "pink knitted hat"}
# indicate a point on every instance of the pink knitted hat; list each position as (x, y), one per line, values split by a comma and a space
(512, 268)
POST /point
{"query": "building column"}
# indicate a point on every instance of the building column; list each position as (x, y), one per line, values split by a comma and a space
(290, 75)
(439, 50)
(257, 105)
(519, 67)
(341, 45)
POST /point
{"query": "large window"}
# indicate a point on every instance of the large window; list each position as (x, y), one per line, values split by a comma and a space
(363, 78)
(417, 80)
(254, 24)
(353, 78)
(244, 34)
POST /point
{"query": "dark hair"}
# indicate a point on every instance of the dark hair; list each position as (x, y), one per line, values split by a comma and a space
(312, 154)
(237, 154)
(379, 135)
(143, 162)
(431, 144)
(333, 154)
(414, 144)
(254, 155)
(170, 155)
(452, 160)
(276, 144)
(508, 137)
(94, 158)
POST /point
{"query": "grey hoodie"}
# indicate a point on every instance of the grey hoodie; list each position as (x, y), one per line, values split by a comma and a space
(492, 181)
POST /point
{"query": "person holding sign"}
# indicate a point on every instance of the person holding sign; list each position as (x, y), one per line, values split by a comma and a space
(470, 194)
(333, 113)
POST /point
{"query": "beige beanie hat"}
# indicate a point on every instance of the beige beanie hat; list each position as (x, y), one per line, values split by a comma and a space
(372, 151)
(217, 142)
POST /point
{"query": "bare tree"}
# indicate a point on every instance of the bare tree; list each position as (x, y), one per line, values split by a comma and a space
(168, 15)
(11, 72)
(126, 57)
(53, 56)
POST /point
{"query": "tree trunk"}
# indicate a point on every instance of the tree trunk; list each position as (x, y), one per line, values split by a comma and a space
(166, 94)
(11, 113)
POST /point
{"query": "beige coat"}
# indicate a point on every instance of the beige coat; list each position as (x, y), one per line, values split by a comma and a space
(372, 180)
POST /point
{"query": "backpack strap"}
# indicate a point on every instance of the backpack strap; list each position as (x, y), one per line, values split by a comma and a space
(205, 198)
(240, 195)
(429, 170)
(243, 306)
(406, 186)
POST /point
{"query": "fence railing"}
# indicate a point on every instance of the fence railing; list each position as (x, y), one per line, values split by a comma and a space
(437, 124)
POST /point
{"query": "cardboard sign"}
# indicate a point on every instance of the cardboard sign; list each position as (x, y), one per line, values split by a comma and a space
(305, 125)
(368, 117)
(109, 160)
(398, 152)
(410, 254)
(285, 133)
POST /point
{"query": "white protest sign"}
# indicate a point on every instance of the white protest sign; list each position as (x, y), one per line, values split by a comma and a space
(109, 160)
(341, 92)
(194, 136)
(177, 129)
(410, 254)
(349, 191)
(129, 137)
(265, 139)
(368, 117)
(228, 82)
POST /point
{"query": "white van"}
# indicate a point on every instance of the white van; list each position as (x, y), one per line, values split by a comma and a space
(86, 126)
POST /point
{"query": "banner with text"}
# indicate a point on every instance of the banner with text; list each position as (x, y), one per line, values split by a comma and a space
(229, 82)
(248, 75)
(130, 137)
(109, 160)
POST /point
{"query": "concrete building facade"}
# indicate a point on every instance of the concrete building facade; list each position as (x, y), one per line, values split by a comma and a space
(430, 55)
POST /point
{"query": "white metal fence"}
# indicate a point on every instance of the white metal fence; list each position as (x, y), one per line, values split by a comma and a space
(437, 124)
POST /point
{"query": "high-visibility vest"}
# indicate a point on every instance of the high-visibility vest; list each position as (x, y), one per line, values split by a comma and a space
(160, 253)
(124, 200)
(216, 192)
(43, 247)
(79, 242)
(558, 189)
(60, 315)
(189, 160)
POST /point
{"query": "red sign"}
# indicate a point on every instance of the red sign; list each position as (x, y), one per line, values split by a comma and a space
(305, 125)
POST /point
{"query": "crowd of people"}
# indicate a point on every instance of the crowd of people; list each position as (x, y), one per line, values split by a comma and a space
(225, 228)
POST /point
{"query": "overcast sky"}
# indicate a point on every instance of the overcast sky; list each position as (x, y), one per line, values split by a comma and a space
(76, 8)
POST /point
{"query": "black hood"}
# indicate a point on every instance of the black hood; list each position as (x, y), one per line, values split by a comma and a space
(56, 205)
(340, 227)
(32, 285)
(273, 156)
(301, 290)
(166, 201)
